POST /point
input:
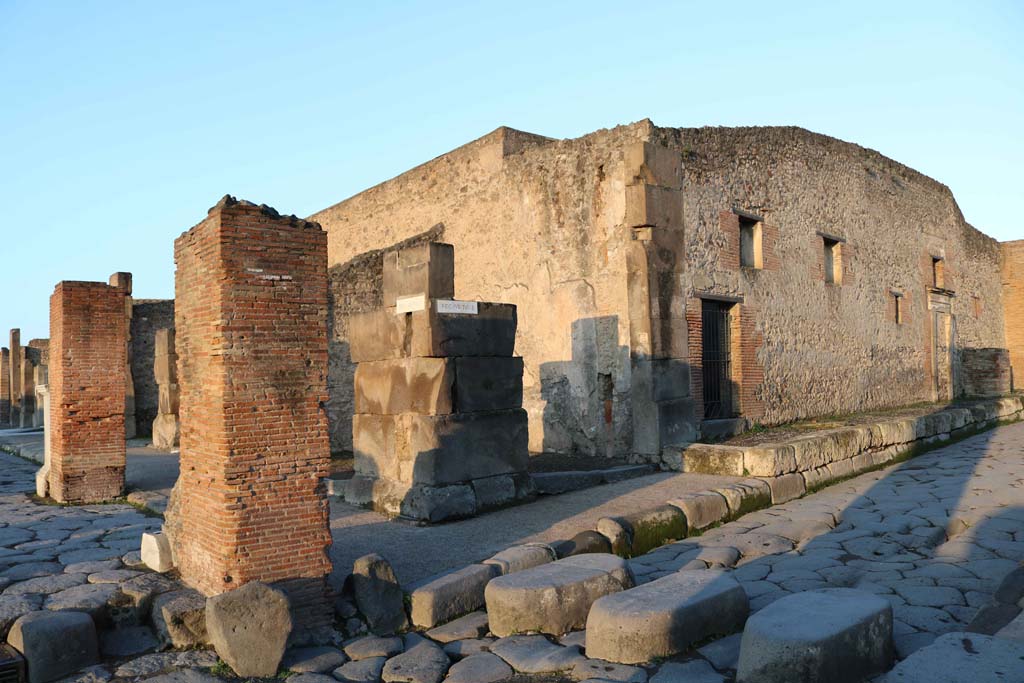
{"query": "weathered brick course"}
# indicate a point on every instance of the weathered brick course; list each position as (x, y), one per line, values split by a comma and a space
(251, 338)
(87, 389)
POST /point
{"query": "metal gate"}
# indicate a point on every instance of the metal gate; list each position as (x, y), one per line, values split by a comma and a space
(716, 359)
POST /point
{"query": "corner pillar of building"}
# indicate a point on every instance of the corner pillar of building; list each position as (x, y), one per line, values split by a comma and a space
(5, 387)
(15, 377)
(251, 503)
(86, 385)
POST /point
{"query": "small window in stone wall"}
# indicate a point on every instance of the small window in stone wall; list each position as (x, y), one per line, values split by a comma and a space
(833, 261)
(938, 279)
(897, 306)
(750, 243)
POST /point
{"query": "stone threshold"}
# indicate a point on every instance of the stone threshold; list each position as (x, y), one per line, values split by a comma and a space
(452, 594)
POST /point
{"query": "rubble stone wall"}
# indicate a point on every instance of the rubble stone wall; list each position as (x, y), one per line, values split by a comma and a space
(250, 503)
(87, 389)
(1013, 304)
(148, 316)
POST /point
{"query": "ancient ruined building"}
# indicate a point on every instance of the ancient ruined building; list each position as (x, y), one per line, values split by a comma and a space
(678, 283)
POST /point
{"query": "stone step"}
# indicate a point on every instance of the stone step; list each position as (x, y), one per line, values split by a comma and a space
(665, 617)
(554, 598)
(840, 635)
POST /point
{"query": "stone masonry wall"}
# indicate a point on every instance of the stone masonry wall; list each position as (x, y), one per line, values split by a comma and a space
(5, 386)
(355, 286)
(829, 348)
(148, 316)
(541, 224)
(250, 503)
(1013, 305)
(87, 389)
(15, 377)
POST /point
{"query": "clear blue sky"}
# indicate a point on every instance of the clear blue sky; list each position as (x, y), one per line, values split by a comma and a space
(121, 123)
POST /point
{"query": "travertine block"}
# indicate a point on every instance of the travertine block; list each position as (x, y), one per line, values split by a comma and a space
(425, 269)
(167, 399)
(166, 369)
(488, 384)
(405, 385)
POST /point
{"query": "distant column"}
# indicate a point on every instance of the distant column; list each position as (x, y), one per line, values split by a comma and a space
(27, 389)
(165, 368)
(87, 387)
(14, 375)
(5, 386)
(251, 339)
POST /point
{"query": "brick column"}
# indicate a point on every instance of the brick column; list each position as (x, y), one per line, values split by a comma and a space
(251, 340)
(14, 376)
(86, 372)
(5, 386)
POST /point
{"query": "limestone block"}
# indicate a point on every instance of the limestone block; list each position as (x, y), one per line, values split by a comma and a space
(492, 492)
(434, 503)
(166, 431)
(713, 459)
(179, 618)
(488, 384)
(582, 543)
(405, 385)
(554, 598)
(666, 616)
(654, 205)
(156, 552)
(702, 509)
(745, 496)
(55, 644)
(165, 369)
(373, 445)
(451, 595)
(473, 625)
(838, 635)
(422, 662)
(786, 488)
(425, 269)
(446, 449)
(249, 628)
(521, 557)
(168, 396)
(163, 342)
(378, 595)
(771, 460)
(381, 334)
(654, 527)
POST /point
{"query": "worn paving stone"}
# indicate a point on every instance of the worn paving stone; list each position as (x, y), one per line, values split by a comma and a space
(695, 671)
(473, 625)
(93, 599)
(313, 659)
(480, 668)
(92, 567)
(596, 669)
(374, 646)
(46, 585)
(129, 641)
(723, 653)
(536, 654)
(159, 662)
(423, 662)
(958, 657)
(459, 649)
(367, 670)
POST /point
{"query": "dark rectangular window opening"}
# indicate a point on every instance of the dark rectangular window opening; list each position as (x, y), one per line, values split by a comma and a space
(833, 261)
(716, 359)
(750, 243)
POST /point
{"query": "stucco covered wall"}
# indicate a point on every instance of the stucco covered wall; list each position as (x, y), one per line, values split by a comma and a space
(832, 348)
(538, 223)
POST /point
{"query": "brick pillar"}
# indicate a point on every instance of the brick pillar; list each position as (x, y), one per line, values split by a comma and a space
(14, 376)
(86, 372)
(1013, 306)
(5, 386)
(251, 340)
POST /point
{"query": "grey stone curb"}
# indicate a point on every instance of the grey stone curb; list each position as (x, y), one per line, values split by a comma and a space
(454, 593)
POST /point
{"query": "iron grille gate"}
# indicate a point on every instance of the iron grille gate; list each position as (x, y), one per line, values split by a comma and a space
(716, 359)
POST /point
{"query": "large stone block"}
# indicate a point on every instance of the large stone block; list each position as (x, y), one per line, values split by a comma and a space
(166, 431)
(451, 595)
(179, 618)
(373, 445)
(55, 644)
(665, 617)
(163, 342)
(554, 598)
(165, 369)
(168, 399)
(447, 449)
(427, 269)
(378, 594)
(249, 628)
(483, 384)
(382, 334)
(838, 635)
(405, 385)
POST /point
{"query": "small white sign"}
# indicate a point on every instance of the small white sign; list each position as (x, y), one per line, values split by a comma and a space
(463, 307)
(408, 304)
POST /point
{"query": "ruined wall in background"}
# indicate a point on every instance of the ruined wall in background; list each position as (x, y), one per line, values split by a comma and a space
(1013, 305)
(355, 286)
(148, 316)
(541, 224)
(830, 348)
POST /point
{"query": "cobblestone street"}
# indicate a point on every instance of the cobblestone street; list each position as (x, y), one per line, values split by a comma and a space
(934, 535)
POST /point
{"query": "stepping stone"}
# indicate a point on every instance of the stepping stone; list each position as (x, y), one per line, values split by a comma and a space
(55, 644)
(313, 659)
(556, 597)
(470, 626)
(520, 557)
(481, 668)
(423, 662)
(363, 671)
(179, 618)
(374, 646)
(451, 595)
(14, 606)
(378, 595)
(666, 616)
(838, 635)
(536, 654)
(959, 657)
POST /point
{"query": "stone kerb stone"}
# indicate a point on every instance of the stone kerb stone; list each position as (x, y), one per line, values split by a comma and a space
(554, 598)
(839, 635)
(438, 430)
(665, 617)
(55, 644)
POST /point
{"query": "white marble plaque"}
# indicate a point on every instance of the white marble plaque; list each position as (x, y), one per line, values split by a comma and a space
(463, 307)
(408, 304)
